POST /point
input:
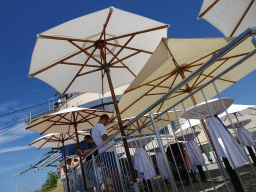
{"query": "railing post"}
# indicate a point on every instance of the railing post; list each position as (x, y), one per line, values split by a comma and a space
(118, 167)
(173, 184)
(95, 171)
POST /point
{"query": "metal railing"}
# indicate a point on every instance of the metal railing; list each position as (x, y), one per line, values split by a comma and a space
(164, 166)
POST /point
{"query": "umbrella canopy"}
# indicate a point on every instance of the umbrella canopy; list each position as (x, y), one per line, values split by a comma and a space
(188, 136)
(235, 111)
(58, 139)
(63, 121)
(74, 49)
(231, 17)
(174, 60)
(160, 122)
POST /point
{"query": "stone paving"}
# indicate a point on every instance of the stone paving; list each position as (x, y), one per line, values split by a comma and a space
(246, 174)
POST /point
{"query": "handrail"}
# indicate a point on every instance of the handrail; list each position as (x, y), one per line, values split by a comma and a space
(243, 36)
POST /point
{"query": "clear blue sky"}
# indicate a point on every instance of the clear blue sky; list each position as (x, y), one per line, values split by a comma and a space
(21, 21)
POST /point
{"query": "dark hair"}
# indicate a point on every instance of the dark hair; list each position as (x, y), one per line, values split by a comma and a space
(87, 137)
(104, 116)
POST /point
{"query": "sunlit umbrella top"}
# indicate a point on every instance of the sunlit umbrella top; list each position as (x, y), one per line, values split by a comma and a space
(68, 56)
(56, 139)
(63, 121)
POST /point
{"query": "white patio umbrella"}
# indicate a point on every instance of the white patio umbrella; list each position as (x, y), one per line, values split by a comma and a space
(231, 17)
(173, 61)
(58, 140)
(85, 50)
(69, 120)
(224, 143)
(235, 111)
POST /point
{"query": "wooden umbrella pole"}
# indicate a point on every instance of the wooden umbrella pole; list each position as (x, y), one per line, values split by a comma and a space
(121, 125)
(63, 147)
(78, 145)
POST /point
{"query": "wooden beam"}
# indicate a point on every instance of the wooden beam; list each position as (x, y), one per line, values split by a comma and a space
(65, 38)
(131, 48)
(106, 22)
(127, 57)
(78, 72)
(241, 19)
(139, 32)
(80, 64)
(122, 48)
(208, 9)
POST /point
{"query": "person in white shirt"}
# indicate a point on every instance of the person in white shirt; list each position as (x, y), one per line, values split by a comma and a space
(99, 135)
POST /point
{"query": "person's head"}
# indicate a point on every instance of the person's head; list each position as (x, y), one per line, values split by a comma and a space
(69, 161)
(104, 119)
(88, 139)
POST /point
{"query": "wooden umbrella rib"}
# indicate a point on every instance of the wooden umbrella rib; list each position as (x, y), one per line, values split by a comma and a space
(78, 72)
(120, 62)
(44, 143)
(65, 38)
(242, 18)
(58, 62)
(158, 86)
(107, 20)
(84, 51)
(210, 54)
(144, 94)
(168, 74)
(86, 73)
(208, 9)
(79, 64)
(51, 117)
(52, 125)
(128, 41)
(131, 48)
(127, 57)
(139, 32)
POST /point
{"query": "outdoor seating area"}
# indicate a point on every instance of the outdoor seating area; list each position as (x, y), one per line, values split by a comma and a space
(173, 128)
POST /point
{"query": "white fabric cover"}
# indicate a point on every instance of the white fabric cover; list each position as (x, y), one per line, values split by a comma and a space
(226, 14)
(161, 164)
(194, 154)
(245, 136)
(192, 150)
(235, 152)
(143, 164)
(212, 156)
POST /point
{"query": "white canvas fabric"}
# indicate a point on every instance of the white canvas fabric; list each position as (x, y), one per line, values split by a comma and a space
(62, 121)
(143, 164)
(226, 14)
(245, 136)
(55, 139)
(161, 164)
(225, 143)
(206, 160)
(66, 59)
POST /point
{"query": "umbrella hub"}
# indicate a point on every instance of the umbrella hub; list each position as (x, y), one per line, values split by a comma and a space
(99, 44)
